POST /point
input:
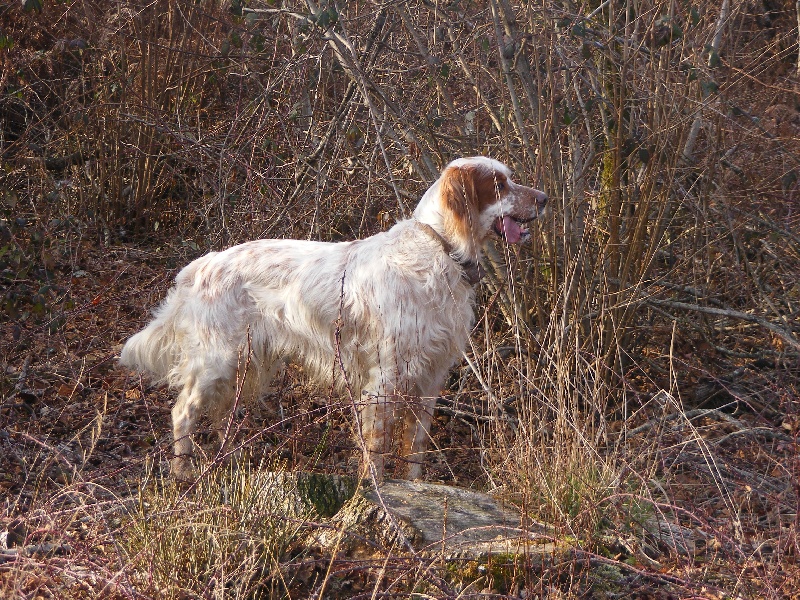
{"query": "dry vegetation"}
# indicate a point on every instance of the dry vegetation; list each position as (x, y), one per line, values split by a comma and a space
(637, 362)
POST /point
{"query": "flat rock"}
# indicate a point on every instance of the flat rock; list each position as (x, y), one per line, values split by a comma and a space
(461, 523)
(453, 523)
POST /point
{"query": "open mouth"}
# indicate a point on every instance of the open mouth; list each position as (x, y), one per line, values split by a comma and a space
(513, 230)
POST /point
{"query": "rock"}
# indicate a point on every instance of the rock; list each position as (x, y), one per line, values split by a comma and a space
(409, 517)
(427, 518)
(364, 528)
(673, 536)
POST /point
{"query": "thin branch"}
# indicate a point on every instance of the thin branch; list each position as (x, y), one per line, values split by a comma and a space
(786, 336)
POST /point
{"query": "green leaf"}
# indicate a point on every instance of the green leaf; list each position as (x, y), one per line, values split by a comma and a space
(9, 198)
(694, 16)
(579, 29)
(31, 5)
(327, 18)
(788, 180)
(38, 305)
(55, 325)
(709, 87)
(258, 43)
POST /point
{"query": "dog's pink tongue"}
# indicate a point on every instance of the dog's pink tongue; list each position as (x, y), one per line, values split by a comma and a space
(512, 230)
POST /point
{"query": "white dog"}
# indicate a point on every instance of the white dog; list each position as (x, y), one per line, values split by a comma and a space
(385, 317)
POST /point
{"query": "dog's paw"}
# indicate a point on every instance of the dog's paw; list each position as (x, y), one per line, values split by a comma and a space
(182, 469)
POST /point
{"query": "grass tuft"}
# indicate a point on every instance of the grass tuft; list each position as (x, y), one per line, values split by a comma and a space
(224, 537)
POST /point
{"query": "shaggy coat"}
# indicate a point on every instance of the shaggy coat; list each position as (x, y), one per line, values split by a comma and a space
(385, 317)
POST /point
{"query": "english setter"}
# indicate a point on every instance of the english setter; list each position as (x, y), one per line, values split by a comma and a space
(386, 316)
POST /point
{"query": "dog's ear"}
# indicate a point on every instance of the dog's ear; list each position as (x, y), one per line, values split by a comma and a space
(459, 198)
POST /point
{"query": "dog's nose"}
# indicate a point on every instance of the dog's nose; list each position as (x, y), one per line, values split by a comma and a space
(541, 198)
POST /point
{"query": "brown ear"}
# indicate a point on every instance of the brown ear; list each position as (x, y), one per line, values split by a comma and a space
(460, 199)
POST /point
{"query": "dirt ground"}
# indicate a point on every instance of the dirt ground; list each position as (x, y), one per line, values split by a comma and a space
(78, 434)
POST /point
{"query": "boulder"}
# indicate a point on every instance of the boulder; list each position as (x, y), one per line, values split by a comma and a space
(423, 518)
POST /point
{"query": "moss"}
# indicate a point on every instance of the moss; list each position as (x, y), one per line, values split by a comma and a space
(607, 581)
(499, 571)
(606, 190)
(327, 493)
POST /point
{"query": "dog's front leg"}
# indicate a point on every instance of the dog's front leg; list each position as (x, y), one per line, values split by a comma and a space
(377, 430)
(418, 417)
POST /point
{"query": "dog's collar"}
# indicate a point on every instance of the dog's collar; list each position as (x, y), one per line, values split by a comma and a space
(470, 270)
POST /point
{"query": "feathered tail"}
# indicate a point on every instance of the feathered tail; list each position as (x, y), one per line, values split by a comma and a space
(154, 350)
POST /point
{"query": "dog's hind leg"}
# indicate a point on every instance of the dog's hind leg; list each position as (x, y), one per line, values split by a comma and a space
(208, 387)
(185, 413)
(251, 383)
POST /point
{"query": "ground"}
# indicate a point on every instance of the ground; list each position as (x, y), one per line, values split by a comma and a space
(82, 440)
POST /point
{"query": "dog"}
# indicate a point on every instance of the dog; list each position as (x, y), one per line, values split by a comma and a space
(384, 318)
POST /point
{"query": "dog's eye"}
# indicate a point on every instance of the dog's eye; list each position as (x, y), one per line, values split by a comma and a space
(501, 185)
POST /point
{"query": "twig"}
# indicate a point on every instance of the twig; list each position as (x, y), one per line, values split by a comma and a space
(519, 119)
(786, 336)
(688, 416)
(433, 62)
(10, 554)
(694, 130)
(23, 375)
(797, 7)
(767, 432)
(450, 408)
(490, 110)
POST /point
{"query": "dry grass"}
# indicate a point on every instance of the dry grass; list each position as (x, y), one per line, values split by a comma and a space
(229, 534)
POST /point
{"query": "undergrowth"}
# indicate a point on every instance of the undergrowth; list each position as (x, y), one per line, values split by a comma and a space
(224, 537)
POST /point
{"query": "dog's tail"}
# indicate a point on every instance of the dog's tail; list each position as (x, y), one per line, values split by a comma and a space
(160, 349)
(154, 350)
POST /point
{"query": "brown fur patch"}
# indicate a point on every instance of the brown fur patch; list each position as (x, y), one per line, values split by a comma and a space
(491, 188)
(466, 192)
(458, 192)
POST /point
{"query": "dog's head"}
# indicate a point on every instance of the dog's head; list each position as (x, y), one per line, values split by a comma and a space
(476, 196)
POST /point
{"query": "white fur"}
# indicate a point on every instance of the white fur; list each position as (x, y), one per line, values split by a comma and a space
(394, 308)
